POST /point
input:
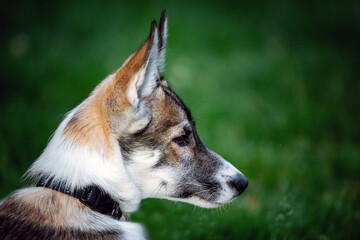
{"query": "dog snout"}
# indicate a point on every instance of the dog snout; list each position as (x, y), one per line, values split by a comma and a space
(239, 183)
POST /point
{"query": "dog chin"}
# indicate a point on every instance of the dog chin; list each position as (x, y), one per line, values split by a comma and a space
(197, 201)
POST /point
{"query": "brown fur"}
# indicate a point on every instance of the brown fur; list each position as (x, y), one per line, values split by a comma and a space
(46, 207)
(88, 125)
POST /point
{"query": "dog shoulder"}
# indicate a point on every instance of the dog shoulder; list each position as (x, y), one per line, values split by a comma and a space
(37, 213)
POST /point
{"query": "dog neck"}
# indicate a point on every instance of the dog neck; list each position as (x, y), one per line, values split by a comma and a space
(92, 196)
(77, 165)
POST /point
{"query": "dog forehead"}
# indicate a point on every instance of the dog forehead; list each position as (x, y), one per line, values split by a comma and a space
(168, 108)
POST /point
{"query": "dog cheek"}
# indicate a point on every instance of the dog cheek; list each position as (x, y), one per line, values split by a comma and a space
(152, 181)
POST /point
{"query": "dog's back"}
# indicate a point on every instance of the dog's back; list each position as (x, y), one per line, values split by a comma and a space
(41, 213)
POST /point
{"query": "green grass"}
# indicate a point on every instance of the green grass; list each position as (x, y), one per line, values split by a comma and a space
(274, 88)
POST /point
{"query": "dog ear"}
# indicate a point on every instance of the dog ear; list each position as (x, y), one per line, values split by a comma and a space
(145, 80)
(139, 75)
(163, 28)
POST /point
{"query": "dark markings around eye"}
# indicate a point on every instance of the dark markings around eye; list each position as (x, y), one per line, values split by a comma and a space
(182, 141)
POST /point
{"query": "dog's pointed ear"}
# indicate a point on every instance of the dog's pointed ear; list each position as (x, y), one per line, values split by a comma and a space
(163, 29)
(139, 75)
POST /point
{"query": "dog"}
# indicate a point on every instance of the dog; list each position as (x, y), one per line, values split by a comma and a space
(132, 138)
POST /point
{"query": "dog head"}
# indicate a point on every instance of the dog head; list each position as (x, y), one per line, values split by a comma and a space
(161, 148)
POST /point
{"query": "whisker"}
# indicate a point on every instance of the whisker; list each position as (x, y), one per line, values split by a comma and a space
(161, 185)
(158, 188)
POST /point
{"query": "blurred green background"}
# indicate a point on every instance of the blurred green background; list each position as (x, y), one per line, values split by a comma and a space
(274, 87)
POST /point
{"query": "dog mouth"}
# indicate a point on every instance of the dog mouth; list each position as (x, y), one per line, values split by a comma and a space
(198, 198)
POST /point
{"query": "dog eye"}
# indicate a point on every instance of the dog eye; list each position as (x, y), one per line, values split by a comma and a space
(182, 141)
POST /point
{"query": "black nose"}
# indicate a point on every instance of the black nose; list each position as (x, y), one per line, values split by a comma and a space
(240, 183)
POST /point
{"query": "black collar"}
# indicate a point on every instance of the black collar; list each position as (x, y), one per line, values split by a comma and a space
(91, 196)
